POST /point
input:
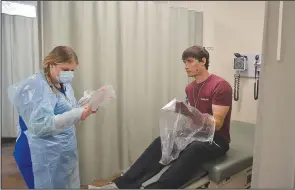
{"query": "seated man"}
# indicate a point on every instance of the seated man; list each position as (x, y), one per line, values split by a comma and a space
(209, 94)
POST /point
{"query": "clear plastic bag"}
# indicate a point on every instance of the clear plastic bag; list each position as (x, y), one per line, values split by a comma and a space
(98, 98)
(180, 125)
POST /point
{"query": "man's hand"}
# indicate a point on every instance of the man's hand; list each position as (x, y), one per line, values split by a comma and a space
(196, 117)
(219, 113)
(181, 108)
(209, 120)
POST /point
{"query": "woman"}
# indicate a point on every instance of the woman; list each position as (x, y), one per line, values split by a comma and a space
(46, 150)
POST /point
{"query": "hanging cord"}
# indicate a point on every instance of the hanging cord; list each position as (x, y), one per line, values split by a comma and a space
(256, 83)
(256, 87)
(236, 86)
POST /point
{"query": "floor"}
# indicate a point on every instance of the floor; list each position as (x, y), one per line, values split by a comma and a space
(11, 177)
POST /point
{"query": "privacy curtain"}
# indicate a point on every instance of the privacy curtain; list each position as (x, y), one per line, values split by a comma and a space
(20, 59)
(134, 46)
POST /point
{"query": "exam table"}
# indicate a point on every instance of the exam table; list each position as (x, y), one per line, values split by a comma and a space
(234, 170)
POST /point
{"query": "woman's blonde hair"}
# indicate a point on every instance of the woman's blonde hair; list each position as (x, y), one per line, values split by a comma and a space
(60, 54)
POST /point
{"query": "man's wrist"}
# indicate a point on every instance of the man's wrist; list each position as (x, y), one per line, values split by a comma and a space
(208, 119)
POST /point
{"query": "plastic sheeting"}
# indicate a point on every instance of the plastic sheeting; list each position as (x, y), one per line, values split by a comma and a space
(98, 98)
(180, 125)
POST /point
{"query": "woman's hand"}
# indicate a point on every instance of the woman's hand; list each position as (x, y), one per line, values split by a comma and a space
(95, 111)
(87, 111)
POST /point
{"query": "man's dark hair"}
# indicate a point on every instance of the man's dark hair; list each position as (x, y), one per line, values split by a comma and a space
(197, 52)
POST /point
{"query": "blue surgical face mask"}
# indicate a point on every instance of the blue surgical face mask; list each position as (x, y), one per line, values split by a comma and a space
(65, 77)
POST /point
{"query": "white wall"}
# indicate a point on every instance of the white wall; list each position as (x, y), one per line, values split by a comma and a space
(274, 157)
(232, 27)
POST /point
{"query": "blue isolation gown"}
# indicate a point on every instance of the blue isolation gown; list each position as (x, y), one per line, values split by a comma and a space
(46, 149)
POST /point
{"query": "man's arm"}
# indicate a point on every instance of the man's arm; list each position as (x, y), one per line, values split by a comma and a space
(219, 113)
(221, 102)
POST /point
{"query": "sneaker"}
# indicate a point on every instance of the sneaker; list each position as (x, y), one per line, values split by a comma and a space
(111, 185)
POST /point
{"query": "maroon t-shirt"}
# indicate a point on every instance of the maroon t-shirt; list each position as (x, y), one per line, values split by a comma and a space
(215, 90)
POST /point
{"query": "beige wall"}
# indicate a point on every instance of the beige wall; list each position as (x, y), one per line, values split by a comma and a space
(232, 27)
(274, 159)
